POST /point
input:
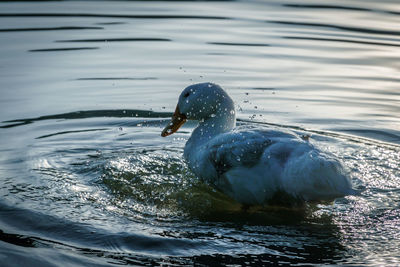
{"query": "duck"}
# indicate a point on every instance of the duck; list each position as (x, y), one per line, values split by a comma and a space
(252, 164)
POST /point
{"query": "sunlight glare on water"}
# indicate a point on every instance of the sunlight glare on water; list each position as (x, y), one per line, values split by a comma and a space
(87, 86)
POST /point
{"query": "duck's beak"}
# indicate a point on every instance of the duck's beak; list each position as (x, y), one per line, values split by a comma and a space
(177, 120)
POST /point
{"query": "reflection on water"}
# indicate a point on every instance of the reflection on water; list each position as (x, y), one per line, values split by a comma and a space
(86, 88)
(114, 190)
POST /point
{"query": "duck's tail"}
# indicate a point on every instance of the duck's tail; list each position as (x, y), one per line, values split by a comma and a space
(316, 176)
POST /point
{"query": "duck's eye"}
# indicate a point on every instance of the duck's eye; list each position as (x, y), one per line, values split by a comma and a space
(186, 94)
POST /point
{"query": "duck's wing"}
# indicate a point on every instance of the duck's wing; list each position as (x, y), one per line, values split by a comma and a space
(241, 148)
(251, 166)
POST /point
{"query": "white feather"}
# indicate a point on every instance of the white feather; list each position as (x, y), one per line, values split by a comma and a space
(250, 164)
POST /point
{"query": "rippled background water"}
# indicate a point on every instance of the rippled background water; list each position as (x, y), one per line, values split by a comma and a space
(85, 87)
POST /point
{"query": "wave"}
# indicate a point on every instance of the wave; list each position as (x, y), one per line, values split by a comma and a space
(116, 40)
(341, 41)
(338, 27)
(62, 49)
(63, 28)
(112, 113)
(122, 16)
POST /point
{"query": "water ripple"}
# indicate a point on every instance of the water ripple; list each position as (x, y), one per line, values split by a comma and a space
(338, 27)
(62, 49)
(116, 79)
(86, 179)
(237, 44)
(90, 114)
(341, 40)
(307, 6)
(63, 28)
(92, 15)
(116, 40)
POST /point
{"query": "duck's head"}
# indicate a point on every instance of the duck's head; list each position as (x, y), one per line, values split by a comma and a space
(199, 102)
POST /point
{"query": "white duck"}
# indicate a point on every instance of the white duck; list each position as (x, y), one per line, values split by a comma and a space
(249, 164)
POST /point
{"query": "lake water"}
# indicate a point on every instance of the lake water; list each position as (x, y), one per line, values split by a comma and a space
(86, 88)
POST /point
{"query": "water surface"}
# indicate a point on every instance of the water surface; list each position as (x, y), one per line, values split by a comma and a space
(87, 86)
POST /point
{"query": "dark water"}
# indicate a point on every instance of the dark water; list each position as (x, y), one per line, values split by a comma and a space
(86, 87)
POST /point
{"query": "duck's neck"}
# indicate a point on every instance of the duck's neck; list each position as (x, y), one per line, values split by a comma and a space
(222, 121)
(213, 126)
